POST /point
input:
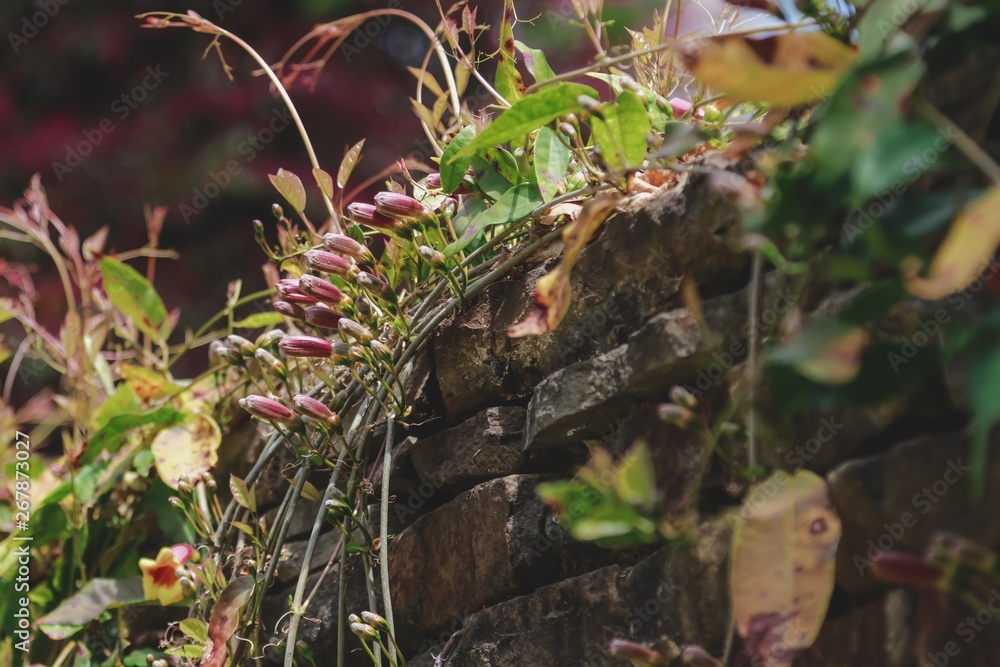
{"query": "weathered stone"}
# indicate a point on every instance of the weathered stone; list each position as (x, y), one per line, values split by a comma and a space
(301, 521)
(482, 447)
(947, 631)
(898, 500)
(491, 542)
(288, 568)
(688, 232)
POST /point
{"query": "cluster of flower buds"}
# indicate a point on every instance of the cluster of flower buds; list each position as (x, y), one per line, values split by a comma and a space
(238, 351)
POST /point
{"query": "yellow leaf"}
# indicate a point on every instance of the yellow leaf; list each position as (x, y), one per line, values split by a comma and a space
(145, 383)
(784, 70)
(782, 571)
(552, 293)
(965, 251)
(185, 449)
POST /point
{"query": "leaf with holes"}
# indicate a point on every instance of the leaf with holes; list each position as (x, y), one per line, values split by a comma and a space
(785, 70)
(290, 187)
(186, 449)
(782, 571)
(132, 294)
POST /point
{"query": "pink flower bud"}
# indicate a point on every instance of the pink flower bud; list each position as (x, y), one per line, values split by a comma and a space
(366, 214)
(680, 107)
(631, 651)
(289, 309)
(289, 290)
(899, 567)
(345, 245)
(266, 408)
(403, 208)
(323, 316)
(327, 262)
(696, 656)
(320, 289)
(305, 346)
(310, 407)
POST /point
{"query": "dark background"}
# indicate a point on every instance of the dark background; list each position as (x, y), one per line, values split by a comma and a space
(69, 75)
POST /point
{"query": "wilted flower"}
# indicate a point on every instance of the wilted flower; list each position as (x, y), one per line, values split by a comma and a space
(327, 262)
(403, 208)
(323, 316)
(305, 346)
(289, 290)
(367, 214)
(345, 245)
(266, 408)
(320, 289)
(357, 331)
(159, 576)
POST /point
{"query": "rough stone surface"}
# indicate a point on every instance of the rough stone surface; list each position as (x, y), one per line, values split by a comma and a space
(688, 232)
(482, 447)
(898, 500)
(493, 541)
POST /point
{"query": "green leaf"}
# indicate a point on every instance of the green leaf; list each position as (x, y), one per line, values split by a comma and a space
(348, 163)
(123, 401)
(195, 628)
(109, 437)
(324, 181)
(551, 160)
(258, 320)
(193, 651)
(515, 204)
(621, 133)
(290, 187)
(97, 596)
(897, 157)
(453, 171)
(535, 61)
(241, 494)
(983, 390)
(132, 294)
(529, 114)
(634, 479)
(489, 179)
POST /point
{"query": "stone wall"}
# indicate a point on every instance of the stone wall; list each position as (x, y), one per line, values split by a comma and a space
(478, 562)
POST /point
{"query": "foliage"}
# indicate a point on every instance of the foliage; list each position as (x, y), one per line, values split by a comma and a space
(820, 118)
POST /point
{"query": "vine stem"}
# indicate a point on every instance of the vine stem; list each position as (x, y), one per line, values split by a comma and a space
(752, 362)
(383, 543)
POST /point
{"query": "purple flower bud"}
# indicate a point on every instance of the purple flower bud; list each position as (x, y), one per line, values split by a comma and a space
(310, 407)
(631, 651)
(899, 567)
(289, 309)
(372, 283)
(305, 346)
(681, 107)
(356, 331)
(345, 245)
(323, 316)
(320, 289)
(403, 208)
(289, 290)
(327, 262)
(266, 408)
(674, 414)
(366, 214)
(433, 181)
